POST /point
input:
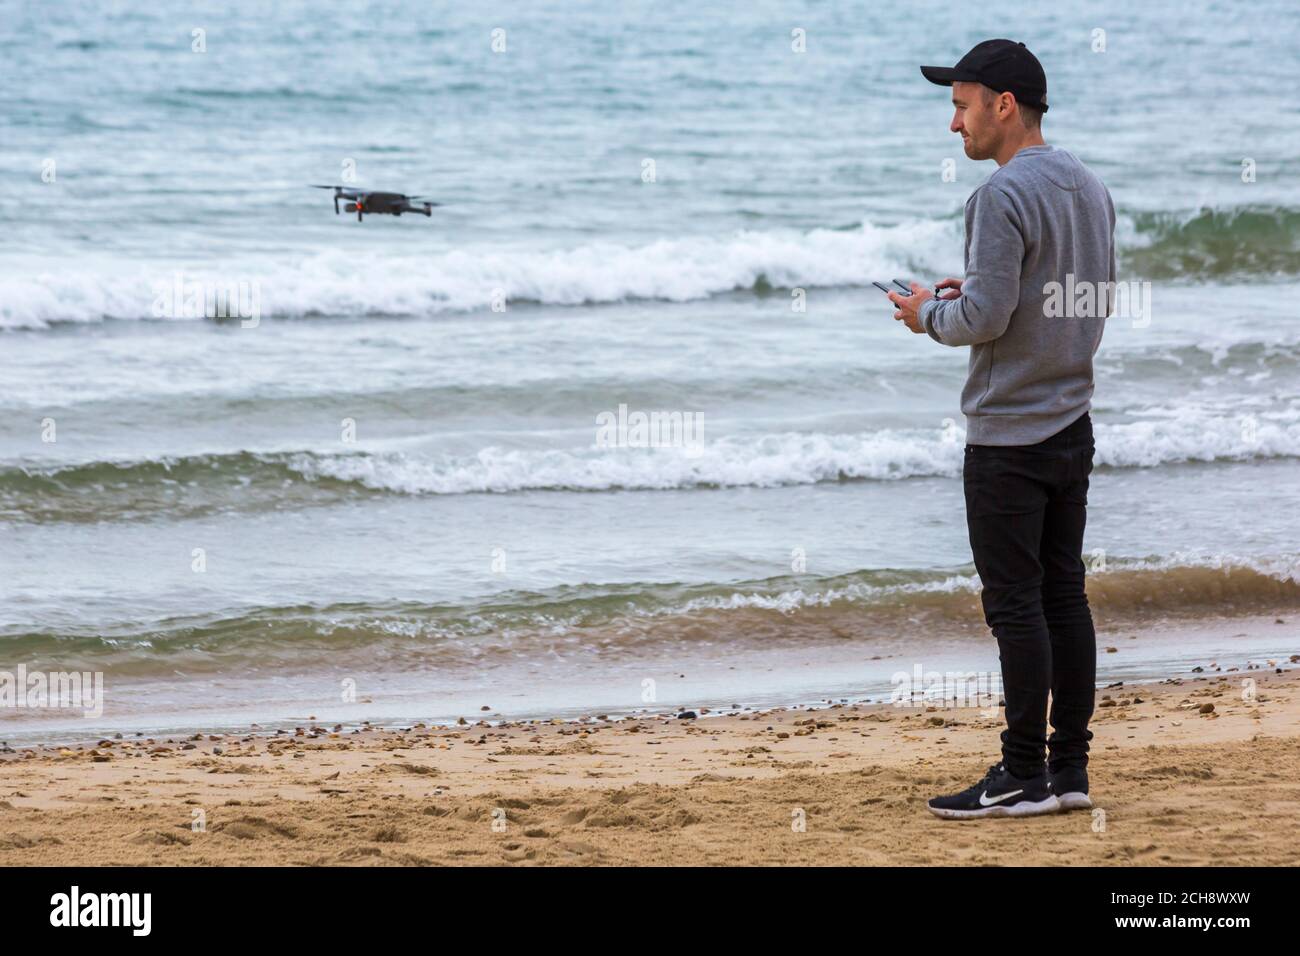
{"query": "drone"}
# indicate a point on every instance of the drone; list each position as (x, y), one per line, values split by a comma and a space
(376, 203)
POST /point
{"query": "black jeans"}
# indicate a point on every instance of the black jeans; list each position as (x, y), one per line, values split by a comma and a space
(1026, 507)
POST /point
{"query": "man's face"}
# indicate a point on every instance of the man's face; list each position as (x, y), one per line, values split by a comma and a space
(973, 117)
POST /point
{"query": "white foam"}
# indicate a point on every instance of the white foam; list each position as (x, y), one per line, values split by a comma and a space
(1194, 434)
(765, 461)
(790, 458)
(388, 283)
(787, 602)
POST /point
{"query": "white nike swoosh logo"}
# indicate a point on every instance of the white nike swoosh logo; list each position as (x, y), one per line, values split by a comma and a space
(986, 802)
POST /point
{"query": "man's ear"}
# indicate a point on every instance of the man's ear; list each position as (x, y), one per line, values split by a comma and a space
(1007, 106)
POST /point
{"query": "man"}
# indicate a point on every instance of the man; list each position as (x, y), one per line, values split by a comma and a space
(1040, 219)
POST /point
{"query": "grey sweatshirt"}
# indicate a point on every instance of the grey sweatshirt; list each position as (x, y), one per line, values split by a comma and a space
(1042, 219)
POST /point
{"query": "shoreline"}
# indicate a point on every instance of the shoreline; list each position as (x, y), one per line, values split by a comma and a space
(1181, 645)
(1190, 770)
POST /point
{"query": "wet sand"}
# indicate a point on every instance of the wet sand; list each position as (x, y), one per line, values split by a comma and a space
(1192, 770)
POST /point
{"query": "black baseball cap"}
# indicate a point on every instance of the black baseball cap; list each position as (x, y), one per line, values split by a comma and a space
(1004, 66)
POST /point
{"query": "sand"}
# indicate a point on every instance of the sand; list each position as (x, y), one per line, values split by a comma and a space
(1184, 772)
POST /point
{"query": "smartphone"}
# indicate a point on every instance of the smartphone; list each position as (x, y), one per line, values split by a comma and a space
(902, 288)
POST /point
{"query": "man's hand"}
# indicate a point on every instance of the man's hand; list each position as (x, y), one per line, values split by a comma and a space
(910, 305)
(954, 284)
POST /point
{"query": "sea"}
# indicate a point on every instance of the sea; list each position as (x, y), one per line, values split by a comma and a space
(622, 426)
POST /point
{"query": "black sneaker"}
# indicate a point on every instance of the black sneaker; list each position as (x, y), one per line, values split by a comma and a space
(999, 794)
(1070, 786)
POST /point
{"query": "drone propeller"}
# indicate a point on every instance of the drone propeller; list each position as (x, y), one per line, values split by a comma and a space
(347, 191)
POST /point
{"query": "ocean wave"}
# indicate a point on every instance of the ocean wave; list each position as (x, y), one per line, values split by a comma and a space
(877, 607)
(766, 461)
(336, 283)
(188, 486)
(1215, 243)
(1203, 243)
(791, 458)
(199, 484)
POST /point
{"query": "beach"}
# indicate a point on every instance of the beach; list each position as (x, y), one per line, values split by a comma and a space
(597, 516)
(1201, 769)
(260, 461)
